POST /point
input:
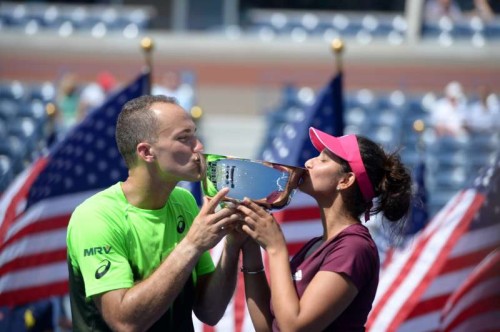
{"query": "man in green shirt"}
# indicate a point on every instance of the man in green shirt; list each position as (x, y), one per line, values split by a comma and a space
(138, 251)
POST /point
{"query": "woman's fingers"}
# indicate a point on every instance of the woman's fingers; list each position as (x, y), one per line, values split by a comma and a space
(249, 231)
(256, 208)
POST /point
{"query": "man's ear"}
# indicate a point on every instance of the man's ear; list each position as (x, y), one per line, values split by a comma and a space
(145, 152)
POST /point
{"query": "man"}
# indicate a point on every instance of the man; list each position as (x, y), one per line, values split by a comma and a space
(483, 115)
(137, 251)
(447, 114)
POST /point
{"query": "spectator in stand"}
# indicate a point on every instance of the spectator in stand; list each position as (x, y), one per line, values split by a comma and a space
(436, 9)
(483, 116)
(171, 85)
(95, 93)
(482, 8)
(68, 99)
(447, 114)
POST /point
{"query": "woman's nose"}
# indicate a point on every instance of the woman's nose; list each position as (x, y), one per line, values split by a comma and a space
(307, 164)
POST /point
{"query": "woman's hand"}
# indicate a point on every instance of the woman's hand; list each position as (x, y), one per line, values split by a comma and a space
(236, 237)
(260, 225)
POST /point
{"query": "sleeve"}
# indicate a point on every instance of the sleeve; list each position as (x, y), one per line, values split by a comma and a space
(353, 257)
(97, 246)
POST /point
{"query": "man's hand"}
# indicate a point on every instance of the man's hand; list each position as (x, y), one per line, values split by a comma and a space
(210, 226)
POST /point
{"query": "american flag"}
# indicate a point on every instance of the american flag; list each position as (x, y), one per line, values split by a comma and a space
(35, 209)
(300, 220)
(290, 144)
(419, 280)
(475, 305)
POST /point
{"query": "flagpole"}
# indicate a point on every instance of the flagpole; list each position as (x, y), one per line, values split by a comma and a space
(337, 47)
(147, 46)
(336, 88)
(419, 127)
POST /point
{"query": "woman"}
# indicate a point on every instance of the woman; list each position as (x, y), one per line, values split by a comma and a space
(331, 282)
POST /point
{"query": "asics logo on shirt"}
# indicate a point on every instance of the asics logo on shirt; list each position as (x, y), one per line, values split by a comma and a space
(181, 224)
(102, 269)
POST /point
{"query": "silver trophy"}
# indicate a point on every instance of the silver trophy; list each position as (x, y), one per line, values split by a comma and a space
(269, 184)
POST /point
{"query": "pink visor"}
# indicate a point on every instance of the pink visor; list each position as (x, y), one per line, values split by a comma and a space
(345, 147)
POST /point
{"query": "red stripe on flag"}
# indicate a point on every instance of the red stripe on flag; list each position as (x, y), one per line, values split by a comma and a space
(44, 225)
(208, 328)
(34, 260)
(429, 305)
(484, 276)
(297, 214)
(10, 213)
(467, 260)
(462, 226)
(294, 247)
(32, 294)
(483, 305)
(473, 293)
(405, 270)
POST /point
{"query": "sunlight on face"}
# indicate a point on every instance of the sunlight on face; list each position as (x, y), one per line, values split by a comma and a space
(177, 149)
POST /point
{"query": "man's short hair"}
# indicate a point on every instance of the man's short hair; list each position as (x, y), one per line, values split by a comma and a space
(138, 123)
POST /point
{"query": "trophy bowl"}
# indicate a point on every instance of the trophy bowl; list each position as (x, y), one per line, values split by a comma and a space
(270, 185)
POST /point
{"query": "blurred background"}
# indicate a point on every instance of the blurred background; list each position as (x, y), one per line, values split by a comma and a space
(420, 77)
(238, 62)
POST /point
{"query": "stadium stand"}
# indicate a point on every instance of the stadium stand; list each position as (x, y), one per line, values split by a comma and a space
(23, 122)
(67, 19)
(367, 28)
(471, 29)
(388, 118)
(301, 25)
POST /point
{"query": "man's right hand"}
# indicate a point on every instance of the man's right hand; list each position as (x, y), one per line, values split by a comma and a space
(210, 226)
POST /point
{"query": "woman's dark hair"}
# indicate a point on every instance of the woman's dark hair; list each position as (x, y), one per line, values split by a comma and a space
(137, 123)
(391, 182)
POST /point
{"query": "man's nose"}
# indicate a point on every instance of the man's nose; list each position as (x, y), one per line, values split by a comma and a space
(199, 146)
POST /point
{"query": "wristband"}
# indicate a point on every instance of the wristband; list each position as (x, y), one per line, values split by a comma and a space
(244, 270)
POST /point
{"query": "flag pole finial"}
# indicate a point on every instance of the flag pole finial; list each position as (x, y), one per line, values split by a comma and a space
(419, 127)
(337, 46)
(147, 46)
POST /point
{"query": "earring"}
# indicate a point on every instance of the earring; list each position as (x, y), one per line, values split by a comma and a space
(338, 188)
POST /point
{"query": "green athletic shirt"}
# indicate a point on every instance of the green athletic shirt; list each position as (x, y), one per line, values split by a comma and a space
(113, 244)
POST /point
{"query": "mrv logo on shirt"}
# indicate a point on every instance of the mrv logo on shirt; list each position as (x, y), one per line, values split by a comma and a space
(96, 250)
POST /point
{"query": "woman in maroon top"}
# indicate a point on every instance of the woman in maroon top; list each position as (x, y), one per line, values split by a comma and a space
(331, 282)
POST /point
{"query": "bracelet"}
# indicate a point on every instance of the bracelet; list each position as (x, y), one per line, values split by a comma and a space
(244, 270)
